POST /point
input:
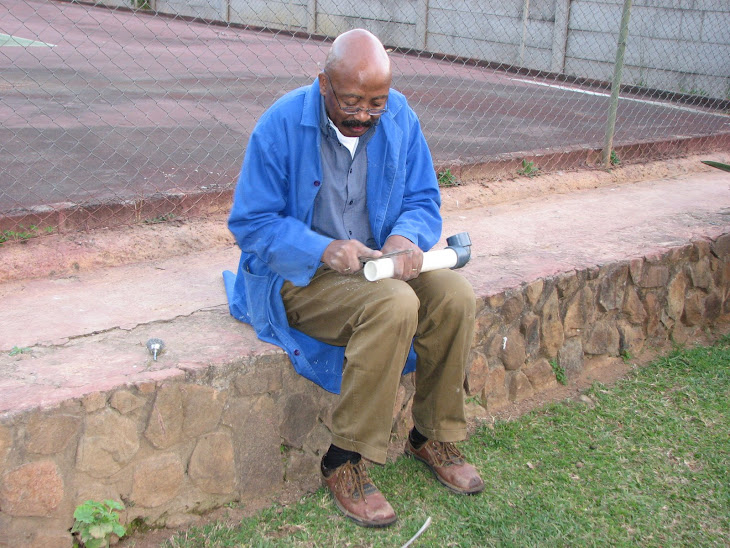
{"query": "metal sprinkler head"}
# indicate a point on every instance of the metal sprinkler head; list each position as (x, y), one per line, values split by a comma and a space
(155, 346)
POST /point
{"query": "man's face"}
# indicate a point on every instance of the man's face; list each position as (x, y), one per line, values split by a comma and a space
(351, 92)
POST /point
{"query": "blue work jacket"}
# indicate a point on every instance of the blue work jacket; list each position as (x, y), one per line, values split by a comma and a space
(272, 215)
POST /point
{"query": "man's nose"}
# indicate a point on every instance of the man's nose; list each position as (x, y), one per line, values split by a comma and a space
(362, 116)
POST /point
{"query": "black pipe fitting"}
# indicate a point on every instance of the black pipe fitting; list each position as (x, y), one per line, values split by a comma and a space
(461, 244)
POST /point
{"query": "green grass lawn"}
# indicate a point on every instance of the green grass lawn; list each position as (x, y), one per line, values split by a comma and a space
(646, 464)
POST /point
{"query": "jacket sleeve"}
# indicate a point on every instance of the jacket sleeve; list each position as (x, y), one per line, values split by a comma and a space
(420, 219)
(263, 217)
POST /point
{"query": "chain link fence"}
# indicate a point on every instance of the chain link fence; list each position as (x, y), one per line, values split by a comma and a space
(139, 110)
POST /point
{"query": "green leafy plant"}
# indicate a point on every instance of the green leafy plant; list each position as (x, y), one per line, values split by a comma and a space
(559, 372)
(24, 233)
(447, 179)
(160, 219)
(615, 160)
(96, 522)
(14, 351)
(528, 169)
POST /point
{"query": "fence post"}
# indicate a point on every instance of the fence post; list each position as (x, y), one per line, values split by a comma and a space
(523, 39)
(560, 35)
(616, 84)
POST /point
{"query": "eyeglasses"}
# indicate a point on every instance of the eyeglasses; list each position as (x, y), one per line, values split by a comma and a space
(354, 110)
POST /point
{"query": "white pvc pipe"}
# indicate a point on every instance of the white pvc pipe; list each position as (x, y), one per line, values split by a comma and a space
(432, 260)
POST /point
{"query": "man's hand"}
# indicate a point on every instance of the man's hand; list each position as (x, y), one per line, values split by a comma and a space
(344, 255)
(407, 266)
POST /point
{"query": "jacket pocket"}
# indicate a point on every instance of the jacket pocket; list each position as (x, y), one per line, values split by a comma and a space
(257, 292)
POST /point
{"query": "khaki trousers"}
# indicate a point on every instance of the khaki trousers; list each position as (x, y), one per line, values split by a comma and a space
(376, 323)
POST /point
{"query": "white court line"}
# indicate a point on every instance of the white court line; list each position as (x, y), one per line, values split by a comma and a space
(14, 41)
(604, 94)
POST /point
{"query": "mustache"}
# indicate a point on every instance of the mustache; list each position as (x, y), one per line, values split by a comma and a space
(356, 123)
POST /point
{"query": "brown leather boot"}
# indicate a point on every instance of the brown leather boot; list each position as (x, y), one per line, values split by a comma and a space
(449, 465)
(357, 497)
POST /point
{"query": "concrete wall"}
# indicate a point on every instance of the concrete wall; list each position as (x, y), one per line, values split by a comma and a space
(174, 448)
(680, 46)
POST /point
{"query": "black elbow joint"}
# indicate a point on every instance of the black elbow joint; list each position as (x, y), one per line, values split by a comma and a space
(461, 244)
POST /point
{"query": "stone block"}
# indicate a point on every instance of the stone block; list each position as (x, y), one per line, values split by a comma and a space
(512, 308)
(721, 247)
(551, 328)
(165, 424)
(631, 338)
(258, 381)
(681, 254)
(33, 489)
(579, 312)
(530, 329)
(202, 408)
(254, 425)
(700, 250)
(6, 442)
(569, 283)
(157, 480)
(722, 274)
(540, 374)
(675, 295)
(50, 539)
(654, 275)
(94, 402)
(478, 372)
(212, 467)
(533, 291)
(125, 402)
(51, 433)
(109, 442)
(633, 308)
(700, 274)
(493, 347)
(319, 438)
(713, 307)
(495, 391)
(601, 338)
(612, 287)
(570, 357)
(653, 314)
(495, 301)
(513, 353)
(301, 467)
(298, 418)
(694, 309)
(519, 386)
(636, 269)
(487, 325)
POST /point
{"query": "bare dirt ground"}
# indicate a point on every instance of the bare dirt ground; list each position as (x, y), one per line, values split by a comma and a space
(63, 254)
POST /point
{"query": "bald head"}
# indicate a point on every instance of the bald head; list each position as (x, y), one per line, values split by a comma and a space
(356, 77)
(358, 55)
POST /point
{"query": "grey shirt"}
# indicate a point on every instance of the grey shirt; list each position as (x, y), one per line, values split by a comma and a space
(340, 208)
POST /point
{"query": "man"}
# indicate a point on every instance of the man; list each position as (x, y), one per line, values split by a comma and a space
(336, 173)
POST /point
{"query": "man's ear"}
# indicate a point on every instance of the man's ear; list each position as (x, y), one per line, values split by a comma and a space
(322, 84)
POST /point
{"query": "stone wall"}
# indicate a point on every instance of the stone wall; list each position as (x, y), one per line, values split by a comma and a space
(173, 450)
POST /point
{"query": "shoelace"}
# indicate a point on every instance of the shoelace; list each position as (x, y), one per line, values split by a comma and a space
(446, 453)
(354, 478)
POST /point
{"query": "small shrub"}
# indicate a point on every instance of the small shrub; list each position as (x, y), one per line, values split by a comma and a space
(528, 169)
(96, 522)
(559, 372)
(447, 179)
